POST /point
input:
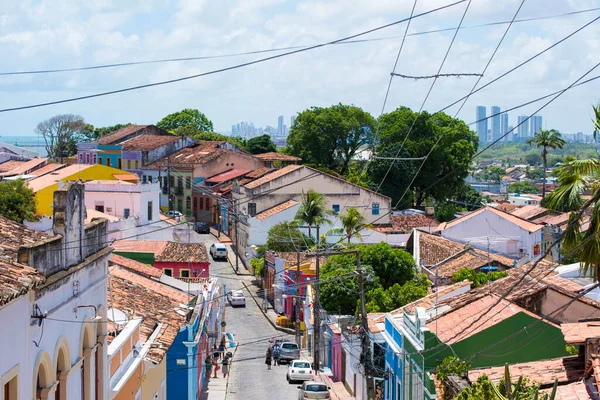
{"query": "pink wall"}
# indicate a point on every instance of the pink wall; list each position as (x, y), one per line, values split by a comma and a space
(178, 266)
(336, 357)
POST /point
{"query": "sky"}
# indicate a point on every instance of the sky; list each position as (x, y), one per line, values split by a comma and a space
(49, 34)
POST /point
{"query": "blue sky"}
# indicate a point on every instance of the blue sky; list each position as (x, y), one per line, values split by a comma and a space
(60, 33)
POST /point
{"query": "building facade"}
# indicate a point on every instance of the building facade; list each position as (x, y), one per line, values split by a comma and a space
(523, 128)
(481, 124)
(496, 123)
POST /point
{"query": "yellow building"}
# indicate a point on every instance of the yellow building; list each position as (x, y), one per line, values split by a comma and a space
(45, 185)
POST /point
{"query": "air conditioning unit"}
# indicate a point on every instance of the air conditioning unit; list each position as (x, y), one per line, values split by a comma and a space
(522, 250)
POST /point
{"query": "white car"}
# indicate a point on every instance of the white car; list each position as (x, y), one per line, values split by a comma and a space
(236, 298)
(299, 370)
(313, 390)
(174, 213)
(218, 250)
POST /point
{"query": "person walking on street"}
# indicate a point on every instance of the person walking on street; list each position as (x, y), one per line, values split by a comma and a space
(208, 366)
(269, 355)
(216, 353)
(225, 367)
(217, 367)
(276, 355)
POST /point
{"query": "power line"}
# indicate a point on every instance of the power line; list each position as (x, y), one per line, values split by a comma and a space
(183, 59)
(233, 67)
(435, 76)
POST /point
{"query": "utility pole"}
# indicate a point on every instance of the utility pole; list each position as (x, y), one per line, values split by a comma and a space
(237, 249)
(317, 310)
(169, 183)
(366, 342)
(297, 298)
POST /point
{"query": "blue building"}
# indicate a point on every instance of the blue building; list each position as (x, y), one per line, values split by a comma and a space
(523, 128)
(496, 123)
(481, 124)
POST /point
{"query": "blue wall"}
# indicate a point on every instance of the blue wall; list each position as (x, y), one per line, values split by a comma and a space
(114, 158)
(182, 380)
(393, 360)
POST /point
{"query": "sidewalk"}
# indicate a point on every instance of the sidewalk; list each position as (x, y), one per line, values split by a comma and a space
(338, 390)
(231, 258)
(216, 388)
(257, 295)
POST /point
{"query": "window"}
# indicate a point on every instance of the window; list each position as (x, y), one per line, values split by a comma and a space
(128, 164)
(188, 204)
(126, 212)
(108, 161)
(336, 208)
(188, 182)
(208, 204)
(119, 162)
(179, 205)
(95, 159)
(171, 181)
(375, 209)
(150, 178)
(100, 208)
(144, 179)
(184, 273)
(137, 164)
(149, 211)
(252, 209)
(195, 203)
(168, 271)
(180, 181)
(81, 157)
(200, 203)
(87, 157)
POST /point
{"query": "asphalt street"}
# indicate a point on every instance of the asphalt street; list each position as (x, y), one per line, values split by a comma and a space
(250, 379)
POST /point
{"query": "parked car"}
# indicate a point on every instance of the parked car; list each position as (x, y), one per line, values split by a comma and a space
(313, 390)
(202, 227)
(174, 213)
(236, 298)
(299, 370)
(218, 250)
(289, 352)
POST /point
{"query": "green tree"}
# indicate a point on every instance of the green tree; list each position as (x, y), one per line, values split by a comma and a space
(495, 173)
(285, 236)
(396, 296)
(546, 139)
(330, 136)
(523, 187)
(535, 173)
(469, 198)
(391, 265)
(445, 211)
(17, 201)
(261, 144)
(313, 210)
(92, 133)
(533, 159)
(61, 134)
(187, 117)
(477, 278)
(353, 222)
(453, 147)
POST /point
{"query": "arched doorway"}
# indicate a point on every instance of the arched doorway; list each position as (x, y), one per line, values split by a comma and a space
(43, 379)
(62, 364)
(86, 352)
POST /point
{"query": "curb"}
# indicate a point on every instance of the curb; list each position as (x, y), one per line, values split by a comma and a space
(233, 267)
(273, 324)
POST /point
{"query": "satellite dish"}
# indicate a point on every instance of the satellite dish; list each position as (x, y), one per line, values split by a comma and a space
(117, 316)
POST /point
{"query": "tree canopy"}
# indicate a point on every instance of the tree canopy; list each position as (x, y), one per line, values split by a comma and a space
(523, 187)
(285, 236)
(61, 134)
(260, 144)
(186, 117)
(17, 201)
(330, 136)
(92, 133)
(450, 158)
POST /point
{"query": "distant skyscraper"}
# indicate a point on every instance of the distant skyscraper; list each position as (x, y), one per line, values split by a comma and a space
(495, 123)
(482, 125)
(292, 119)
(523, 129)
(535, 124)
(504, 127)
(280, 125)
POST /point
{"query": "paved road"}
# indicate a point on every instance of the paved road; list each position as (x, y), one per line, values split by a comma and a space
(250, 379)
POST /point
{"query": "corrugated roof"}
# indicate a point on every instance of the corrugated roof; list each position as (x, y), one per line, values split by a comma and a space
(276, 209)
(274, 156)
(120, 134)
(528, 226)
(148, 142)
(51, 178)
(227, 175)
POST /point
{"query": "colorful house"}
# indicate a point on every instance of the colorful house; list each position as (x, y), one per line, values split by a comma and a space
(45, 185)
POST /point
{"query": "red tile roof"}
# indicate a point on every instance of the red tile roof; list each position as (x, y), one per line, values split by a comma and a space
(471, 259)
(9, 165)
(148, 142)
(22, 168)
(544, 372)
(576, 333)
(140, 246)
(46, 169)
(507, 207)
(119, 134)
(183, 253)
(406, 223)
(257, 173)
(435, 249)
(276, 209)
(273, 175)
(572, 391)
(530, 212)
(431, 299)
(528, 226)
(227, 175)
(143, 269)
(273, 156)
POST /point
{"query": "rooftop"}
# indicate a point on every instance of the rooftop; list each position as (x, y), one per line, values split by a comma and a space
(530, 212)
(406, 223)
(119, 134)
(140, 246)
(434, 249)
(507, 207)
(273, 156)
(227, 175)
(528, 226)
(576, 333)
(572, 391)
(46, 169)
(276, 209)
(51, 178)
(471, 259)
(148, 142)
(12, 167)
(135, 266)
(183, 252)
(198, 153)
(273, 175)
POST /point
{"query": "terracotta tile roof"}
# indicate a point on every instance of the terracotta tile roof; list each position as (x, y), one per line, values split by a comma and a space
(153, 302)
(9, 165)
(148, 142)
(530, 212)
(126, 177)
(457, 324)
(507, 207)
(572, 391)
(375, 323)
(577, 332)
(430, 300)
(273, 175)
(471, 259)
(593, 368)
(159, 287)
(567, 369)
(273, 156)
(22, 168)
(435, 249)
(563, 283)
(528, 226)
(257, 173)
(119, 134)
(276, 209)
(227, 175)
(552, 219)
(135, 266)
(140, 246)
(406, 223)
(183, 252)
(16, 279)
(46, 169)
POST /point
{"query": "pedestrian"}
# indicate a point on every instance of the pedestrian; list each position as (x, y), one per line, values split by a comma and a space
(217, 367)
(268, 357)
(216, 353)
(208, 366)
(276, 352)
(225, 363)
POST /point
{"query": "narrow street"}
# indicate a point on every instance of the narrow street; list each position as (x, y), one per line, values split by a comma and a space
(250, 379)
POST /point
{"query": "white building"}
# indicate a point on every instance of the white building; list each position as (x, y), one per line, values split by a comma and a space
(496, 231)
(124, 199)
(524, 199)
(53, 305)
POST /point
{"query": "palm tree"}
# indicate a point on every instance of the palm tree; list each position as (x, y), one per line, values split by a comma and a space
(313, 210)
(353, 222)
(546, 139)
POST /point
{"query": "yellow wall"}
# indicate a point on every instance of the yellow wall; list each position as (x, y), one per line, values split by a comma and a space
(153, 377)
(44, 197)
(132, 386)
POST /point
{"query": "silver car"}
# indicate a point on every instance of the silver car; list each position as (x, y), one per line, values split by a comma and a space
(236, 298)
(218, 251)
(289, 351)
(313, 390)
